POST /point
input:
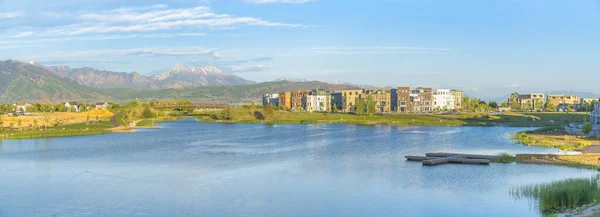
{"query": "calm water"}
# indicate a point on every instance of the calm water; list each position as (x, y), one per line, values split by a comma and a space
(207, 169)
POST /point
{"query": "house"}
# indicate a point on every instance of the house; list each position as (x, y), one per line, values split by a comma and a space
(349, 98)
(270, 98)
(285, 100)
(595, 115)
(72, 106)
(421, 100)
(336, 100)
(529, 101)
(101, 105)
(299, 99)
(318, 100)
(443, 99)
(563, 101)
(20, 107)
(458, 98)
(381, 96)
(403, 96)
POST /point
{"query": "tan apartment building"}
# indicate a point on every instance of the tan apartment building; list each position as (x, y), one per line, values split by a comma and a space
(563, 101)
(381, 96)
(458, 98)
(299, 100)
(285, 100)
(349, 98)
(404, 99)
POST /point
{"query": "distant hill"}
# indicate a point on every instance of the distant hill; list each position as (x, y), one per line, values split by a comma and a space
(30, 81)
(176, 77)
(223, 93)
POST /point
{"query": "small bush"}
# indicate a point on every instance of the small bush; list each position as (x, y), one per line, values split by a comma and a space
(504, 158)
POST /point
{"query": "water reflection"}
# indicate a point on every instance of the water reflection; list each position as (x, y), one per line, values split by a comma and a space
(203, 169)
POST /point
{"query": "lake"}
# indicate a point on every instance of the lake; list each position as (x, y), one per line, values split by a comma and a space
(189, 168)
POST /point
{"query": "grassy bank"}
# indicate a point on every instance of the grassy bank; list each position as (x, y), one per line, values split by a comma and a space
(553, 137)
(79, 129)
(245, 115)
(560, 195)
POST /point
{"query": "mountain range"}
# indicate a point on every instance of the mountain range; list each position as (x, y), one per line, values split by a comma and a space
(30, 81)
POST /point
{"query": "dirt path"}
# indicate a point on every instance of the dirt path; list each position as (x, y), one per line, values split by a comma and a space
(592, 149)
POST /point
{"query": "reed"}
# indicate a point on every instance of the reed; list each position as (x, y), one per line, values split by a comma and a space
(560, 195)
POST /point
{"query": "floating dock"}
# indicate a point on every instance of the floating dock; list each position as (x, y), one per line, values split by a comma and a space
(432, 159)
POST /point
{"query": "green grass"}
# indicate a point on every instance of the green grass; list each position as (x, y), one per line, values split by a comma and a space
(80, 129)
(243, 115)
(560, 195)
(504, 158)
(145, 123)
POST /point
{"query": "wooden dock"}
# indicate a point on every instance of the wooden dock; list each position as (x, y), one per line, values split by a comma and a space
(432, 159)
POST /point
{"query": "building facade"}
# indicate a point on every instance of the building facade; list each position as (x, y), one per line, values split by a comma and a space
(349, 100)
(381, 96)
(271, 98)
(285, 100)
(443, 100)
(563, 101)
(318, 101)
(404, 100)
(422, 100)
(595, 115)
(299, 100)
(458, 98)
(336, 101)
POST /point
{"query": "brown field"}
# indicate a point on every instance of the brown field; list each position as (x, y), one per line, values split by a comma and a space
(54, 118)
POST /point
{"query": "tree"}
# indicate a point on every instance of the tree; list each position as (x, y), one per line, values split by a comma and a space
(538, 105)
(360, 106)
(268, 110)
(334, 109)
(528, 106)
(225, 114)
(587, 129)
(371, 105)
(504, 105)
(550, 107)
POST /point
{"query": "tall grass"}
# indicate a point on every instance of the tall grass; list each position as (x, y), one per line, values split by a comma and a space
(504, 158)
(560, 195)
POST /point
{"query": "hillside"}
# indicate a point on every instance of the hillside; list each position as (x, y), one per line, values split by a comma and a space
(223, 93)
(26, 81)
(177, 77)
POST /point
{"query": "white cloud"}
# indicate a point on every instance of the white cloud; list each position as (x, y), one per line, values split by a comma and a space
(9, 15)
(250, 68)
(378, 49)
(192, 52)
(23, 34)
(278, 1)
(149, 19)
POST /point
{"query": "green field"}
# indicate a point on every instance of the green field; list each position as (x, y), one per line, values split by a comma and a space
(79, 129)
(244, 115)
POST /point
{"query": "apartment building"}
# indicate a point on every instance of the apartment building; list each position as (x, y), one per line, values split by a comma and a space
(270, 98)
(381, 96)
(318, 101)
(589, 101)
(443, 99)
(534, 100)
(422, 99)
(563, 101)
(458, 99)
(285, 100)
(299, 100)
(404, 99)
(336, 100)
(349, 100)
(595, 115)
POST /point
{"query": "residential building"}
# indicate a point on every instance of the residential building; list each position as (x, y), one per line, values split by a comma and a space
(318, 101)
(458, 98)
(443, 99)
(336, 100)
(381, 96)
(270, 98)
(20, 106)
(285, 100)
(299, 100)
(72, 106)
(404, 100)
(349, 100)
(529, 101)
(422, 100)
(595, 115)
(101, 105)
(564, 101)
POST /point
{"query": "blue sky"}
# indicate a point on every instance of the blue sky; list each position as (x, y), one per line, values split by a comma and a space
(487, 48)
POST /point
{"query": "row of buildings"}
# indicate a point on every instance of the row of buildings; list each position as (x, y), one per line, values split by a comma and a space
(387, 100)
(562, 102)
(71, 106)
